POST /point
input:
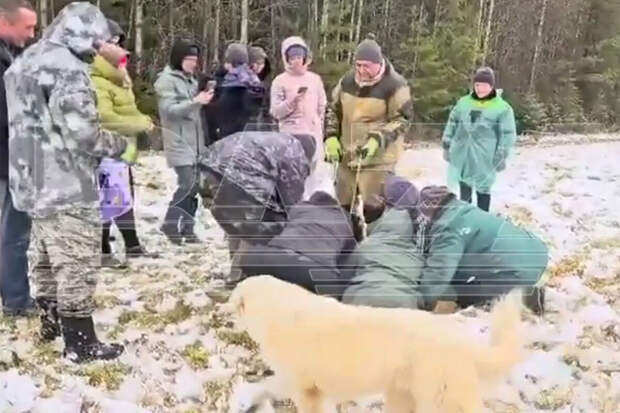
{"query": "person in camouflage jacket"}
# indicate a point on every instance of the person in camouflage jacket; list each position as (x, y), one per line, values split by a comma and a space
(250, 179)
(370, 113)
(56, 145)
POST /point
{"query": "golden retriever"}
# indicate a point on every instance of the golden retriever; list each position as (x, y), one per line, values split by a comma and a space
(324, 352)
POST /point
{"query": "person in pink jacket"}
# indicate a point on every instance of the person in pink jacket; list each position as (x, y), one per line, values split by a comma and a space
(298, 99)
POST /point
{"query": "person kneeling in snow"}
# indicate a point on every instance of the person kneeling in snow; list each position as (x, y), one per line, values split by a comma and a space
(250, 179)
(387, 264)
(310, 250)
(473, 256)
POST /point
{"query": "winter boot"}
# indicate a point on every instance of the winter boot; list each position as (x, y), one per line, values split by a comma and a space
(172, 233)
(139, 252)
(50, 323)
(81, 343)
(535, 300)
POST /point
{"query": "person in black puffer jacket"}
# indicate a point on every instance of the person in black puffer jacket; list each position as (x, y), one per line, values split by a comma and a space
(310, 251)
(239, 96)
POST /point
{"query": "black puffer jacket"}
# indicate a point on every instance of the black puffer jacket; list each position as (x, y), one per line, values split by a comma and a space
(318, 229)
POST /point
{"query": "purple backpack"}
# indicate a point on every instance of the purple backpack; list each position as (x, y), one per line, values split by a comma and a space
(115, 195)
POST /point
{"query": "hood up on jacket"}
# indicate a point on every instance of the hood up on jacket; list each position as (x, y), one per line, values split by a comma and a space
(81, 27)
(295, 41)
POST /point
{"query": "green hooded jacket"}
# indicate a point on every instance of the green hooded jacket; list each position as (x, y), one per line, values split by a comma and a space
(479, 136)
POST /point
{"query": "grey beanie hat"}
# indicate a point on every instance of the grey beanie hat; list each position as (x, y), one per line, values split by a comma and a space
(485, 75)
(256, 53)
(236, 54)
(369, 50)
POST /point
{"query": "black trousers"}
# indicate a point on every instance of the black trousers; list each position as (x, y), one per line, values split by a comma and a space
(125, 223)
(483, 200)
(239, 214)
(289, 266)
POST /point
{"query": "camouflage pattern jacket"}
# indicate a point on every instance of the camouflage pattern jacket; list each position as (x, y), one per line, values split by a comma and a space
(54, 132)
(270, 166)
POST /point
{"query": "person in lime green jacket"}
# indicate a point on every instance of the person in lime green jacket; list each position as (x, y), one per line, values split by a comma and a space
(118, 112)
(478, 138)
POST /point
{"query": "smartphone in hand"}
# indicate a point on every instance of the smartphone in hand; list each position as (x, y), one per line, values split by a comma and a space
(302, 90)
(211, 85)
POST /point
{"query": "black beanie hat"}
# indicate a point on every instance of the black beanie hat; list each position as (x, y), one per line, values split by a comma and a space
(485, 75)
(180, 50)
(369, 50)
(116, 30)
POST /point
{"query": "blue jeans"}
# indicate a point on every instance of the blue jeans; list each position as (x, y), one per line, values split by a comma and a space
(14, 243)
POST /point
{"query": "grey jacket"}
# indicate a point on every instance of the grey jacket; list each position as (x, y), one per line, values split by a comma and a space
(182, 129)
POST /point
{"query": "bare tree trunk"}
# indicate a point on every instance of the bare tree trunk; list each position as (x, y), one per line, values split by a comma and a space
(274, 33)
(351, 28)
(359, 21)
(478, 34)
(324, 27)
(386, 18)
(417, 34)
(436, 17)
(44, 15)
(541, 24)
(205, 33)
(132, 18)
(99, 4)
(487, 36)
(171, 21)
(341, 7)
(52, 10)
(315, 24)
(138, 42)
(216, 32)
(244, 21)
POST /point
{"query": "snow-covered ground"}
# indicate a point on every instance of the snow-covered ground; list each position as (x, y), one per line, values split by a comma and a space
(183, 356)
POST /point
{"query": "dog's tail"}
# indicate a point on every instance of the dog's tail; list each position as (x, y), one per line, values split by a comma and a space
(507, 343)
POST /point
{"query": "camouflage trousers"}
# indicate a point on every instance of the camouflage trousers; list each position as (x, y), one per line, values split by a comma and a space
(68, 247)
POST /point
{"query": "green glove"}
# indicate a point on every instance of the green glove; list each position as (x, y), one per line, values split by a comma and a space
(131, 151)
(333, 149)
(370, 149)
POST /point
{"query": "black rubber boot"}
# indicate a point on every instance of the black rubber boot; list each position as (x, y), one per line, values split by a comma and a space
(50, 323)
(81, 343)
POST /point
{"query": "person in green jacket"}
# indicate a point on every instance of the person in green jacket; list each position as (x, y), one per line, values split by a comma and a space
(118, 112)
(472, 256)
(388, 263)
(478, 138)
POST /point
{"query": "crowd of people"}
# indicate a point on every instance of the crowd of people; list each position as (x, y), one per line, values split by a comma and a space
(248, 147)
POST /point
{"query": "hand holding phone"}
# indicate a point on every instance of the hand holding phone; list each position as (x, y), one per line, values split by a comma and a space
(302, 90)
(211, 85)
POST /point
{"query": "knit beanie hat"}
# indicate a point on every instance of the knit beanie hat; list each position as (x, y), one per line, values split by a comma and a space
(400, 193)
(296, 50)
(256, 54)
(369, 50)
(236, 54)
(180, 50)
(116, 31)
(485, 75)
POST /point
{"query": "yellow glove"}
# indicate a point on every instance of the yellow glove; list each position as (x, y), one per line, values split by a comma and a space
(333, 149)
(131, 151)
(370, 148)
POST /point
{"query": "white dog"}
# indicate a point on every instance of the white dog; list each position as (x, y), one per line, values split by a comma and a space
(325, 352)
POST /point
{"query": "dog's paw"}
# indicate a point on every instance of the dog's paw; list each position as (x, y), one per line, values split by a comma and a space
(246, 397)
